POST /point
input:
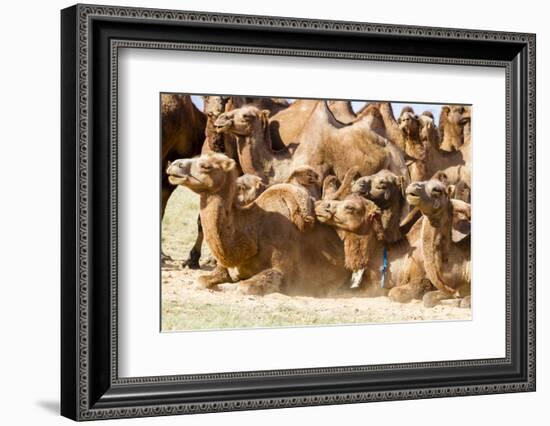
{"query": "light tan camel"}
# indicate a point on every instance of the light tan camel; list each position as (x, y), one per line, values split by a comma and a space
(260, 241)
(427, 150)
(379, 268)
(445, 240)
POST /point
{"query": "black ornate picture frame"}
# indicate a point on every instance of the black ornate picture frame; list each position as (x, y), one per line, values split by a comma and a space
(91, 36)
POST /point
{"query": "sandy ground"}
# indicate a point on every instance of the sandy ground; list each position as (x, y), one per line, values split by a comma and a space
(187, 306)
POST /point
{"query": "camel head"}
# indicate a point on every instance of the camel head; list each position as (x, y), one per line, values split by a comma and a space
(428, 132)
(433, 199)
(205, 174)
(452, 122)
(353, 214)
(381, 187)
(249, 187)
(408, 122)
(460, 190)
(214, 105)
(304, 175)
(386, 190)
(245, 121)
(357, 222)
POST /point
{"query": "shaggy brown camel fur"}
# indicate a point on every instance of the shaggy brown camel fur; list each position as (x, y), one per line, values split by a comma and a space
(445, 240)
(249, 187)
(183, 131)
(325, 144)
(358, 222)
(387, 191)
(260, 241)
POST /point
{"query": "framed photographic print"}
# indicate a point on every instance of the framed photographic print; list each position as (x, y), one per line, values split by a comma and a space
(263, 212)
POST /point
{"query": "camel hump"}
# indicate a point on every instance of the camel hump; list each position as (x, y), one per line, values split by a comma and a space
(292, 201)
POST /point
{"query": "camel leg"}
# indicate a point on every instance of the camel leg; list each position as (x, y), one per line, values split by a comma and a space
(195, 254)
(219, 275)
(466, 302)
(433, 298)
(166, 192)
(407, 292)
(268, 281)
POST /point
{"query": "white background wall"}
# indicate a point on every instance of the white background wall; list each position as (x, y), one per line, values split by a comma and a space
(29, 225)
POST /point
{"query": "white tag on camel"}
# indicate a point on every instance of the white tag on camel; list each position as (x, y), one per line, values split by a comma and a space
(356, 278)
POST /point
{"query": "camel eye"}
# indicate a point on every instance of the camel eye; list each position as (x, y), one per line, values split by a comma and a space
(350, 209)
(248, 117)
(205, 167)
(436, 192)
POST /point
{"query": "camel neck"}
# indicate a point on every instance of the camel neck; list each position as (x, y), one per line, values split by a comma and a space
(222, 224)
(256, 157)
(359, 249)
(453, 138)
(436, 244)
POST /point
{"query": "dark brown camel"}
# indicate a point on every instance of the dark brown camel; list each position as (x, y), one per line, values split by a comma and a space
(183, 133)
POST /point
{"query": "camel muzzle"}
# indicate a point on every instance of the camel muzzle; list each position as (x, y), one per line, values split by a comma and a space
(179, 168)
(223, 123)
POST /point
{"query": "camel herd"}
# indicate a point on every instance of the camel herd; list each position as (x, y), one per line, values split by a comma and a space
(309, 197)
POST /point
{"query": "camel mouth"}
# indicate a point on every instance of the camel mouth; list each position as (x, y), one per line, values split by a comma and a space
(322, 214)
(360, 188)
(182, 179)
(413, 195)
(413, 199)
(223, 127)
(177, 180)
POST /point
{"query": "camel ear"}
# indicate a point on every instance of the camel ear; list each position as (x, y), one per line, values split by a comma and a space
(330, 186)
(450, 191)
(461, 220)
(228, 164)
(291, 176)
(441, 177)
(443, 119)
(462, 191)
(401, 185)
(345, 188)
(374, 217)
(264, 113)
